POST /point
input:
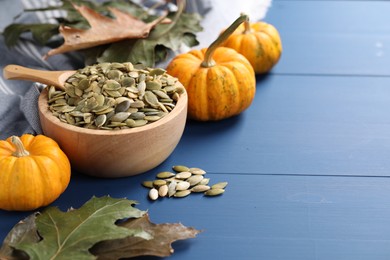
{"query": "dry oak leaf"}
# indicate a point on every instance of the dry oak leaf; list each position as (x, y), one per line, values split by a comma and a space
(103, 30)
(163, 235)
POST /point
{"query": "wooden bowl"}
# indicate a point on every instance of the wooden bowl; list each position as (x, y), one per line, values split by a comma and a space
(116, 153)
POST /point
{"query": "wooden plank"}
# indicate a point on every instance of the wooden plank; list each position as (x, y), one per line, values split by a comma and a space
(332, 37)
(263, 217)
(299, 125)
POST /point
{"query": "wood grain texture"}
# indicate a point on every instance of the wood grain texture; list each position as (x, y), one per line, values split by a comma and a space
(308, 125)
(332, 37)
(261, 216)
(307, 164)
(51, 78)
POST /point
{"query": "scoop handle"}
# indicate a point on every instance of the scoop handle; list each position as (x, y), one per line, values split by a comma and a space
(54, 78)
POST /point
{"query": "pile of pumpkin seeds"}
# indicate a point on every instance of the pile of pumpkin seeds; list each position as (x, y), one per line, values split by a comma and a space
(182, 182)
(114, 96)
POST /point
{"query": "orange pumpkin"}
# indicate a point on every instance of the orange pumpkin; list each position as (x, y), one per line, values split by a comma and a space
(259, 42)
(220, 82)
(34, 171)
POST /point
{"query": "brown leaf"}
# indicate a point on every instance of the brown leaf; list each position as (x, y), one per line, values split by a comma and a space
(24, 231)
(103, 30)
(160, 245)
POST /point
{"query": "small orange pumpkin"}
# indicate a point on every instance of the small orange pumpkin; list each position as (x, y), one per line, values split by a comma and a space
(259, 42)
(220, 82)
(34, 171)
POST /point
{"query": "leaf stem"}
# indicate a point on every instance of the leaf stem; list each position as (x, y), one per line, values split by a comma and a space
(180, 8)
(208, 59)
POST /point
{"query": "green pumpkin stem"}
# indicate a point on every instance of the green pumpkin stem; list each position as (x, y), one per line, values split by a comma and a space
(20, 150)
(208, 57)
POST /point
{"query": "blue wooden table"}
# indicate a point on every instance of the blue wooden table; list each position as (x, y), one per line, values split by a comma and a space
(308, 164)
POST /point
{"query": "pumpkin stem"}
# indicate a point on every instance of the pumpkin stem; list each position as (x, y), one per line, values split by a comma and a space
(208, 57)
(20, 150)
(247, 29)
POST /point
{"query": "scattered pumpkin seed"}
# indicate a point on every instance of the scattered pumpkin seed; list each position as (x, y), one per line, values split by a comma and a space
(184, 182)
(214, 192)
(204, 181)
(172, 188)
(200, 188)
(165, 175)
(183, 175)
(219, 185)
(182, 185)
(153, 194)
(197, 171)
(182, 193)
(148, 184)
(159, 183)
(195, 179)
(163, 191)
(180, 168)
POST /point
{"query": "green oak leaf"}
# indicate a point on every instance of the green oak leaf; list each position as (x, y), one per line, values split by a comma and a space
(40, 32)
(69, 235)
(155, 48)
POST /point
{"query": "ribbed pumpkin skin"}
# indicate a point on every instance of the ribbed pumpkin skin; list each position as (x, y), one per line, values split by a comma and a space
(217, 92)
(262, 45)
(35, 180)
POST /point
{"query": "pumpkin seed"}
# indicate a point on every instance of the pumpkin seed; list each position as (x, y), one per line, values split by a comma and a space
(197, 171)
(161, 94)
(151, 99)
(204, 181)
(214, 192)
(120, 87)
(182, 193)
(137, 104)
(163, 191)
(165, 175)
(137, 115)
(194, 179)
(127, 82)
(153, 194)
(138, 123)
(123, 105)
(100, 120)
(183, 185)
(152, 118)
(111, 85)
(120, 117)
(172, 188)
(219, 185)
(184, 182)
(87, 117)
(180, 168)
(183, 175)
(114, 74)
(157, 72)
(148, 184)
(153, 85)
(159, 183)
(83, 84)
(200, 188)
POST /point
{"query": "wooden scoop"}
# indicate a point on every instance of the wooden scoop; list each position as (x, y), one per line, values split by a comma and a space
(51, 78)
